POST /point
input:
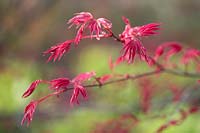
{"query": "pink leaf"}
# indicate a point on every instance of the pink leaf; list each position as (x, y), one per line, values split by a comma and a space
(57, 51)
(189, 55)
(159, 51)
(104, 78)
(97, 27)
(28, 112)
(126, 20)
(59, 83)
(80, 18)
(84, 77)
(79, 34)
(132, 48)
(77, 90)
(105, 23)
(146, 30)
(131, 38)
(174, 47)
(31, 88)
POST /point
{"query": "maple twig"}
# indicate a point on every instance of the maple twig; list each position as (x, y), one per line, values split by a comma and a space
(129, 77)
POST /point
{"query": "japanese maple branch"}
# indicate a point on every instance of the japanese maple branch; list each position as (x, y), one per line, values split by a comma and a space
(126, 77)
(129, 77)
(178, 73)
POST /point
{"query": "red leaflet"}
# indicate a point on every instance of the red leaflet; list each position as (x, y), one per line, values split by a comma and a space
(146, 30)
(105, 23)
(119, 60)
(83, 77)
(77, 90)
(79, 34)
(127, 33)
(101, 80)
(131, 48)
(31, 88)
(59, 83)
(159, 51)
(28, 112)
(57, 51)
(85, 20)
(174, 47)
(189, 55)
(105, 78)
(80, 18)
(126, 21)
(132, 44)
(97, 27)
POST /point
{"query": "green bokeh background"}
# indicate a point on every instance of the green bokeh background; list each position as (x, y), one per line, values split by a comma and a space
(27, 28)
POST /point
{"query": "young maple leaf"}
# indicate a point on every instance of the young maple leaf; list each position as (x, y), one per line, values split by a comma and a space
(132, 44)
(104, 78)
(28, 112)
(82, 21)
(31, 88)
(56, 84)
(189, 55)
(174, 47)
(146, 30)
(80, 18)
(57, 51)
(83, 77)
(131, 48)
(85, 20)
(97, 27)
(78, 89)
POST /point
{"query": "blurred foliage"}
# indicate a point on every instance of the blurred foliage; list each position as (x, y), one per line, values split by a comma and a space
(28, 27)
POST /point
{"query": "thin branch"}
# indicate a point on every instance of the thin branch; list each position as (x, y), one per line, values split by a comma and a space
(128, 77)
(51, 94)
(114, 36)
(134, 77)
(182, 73)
